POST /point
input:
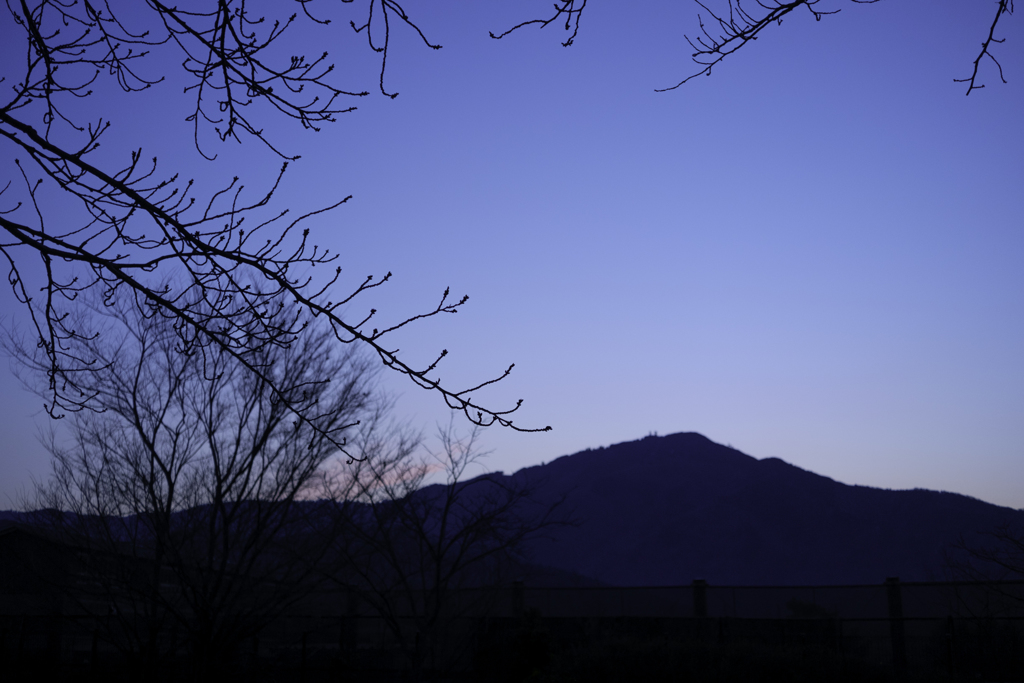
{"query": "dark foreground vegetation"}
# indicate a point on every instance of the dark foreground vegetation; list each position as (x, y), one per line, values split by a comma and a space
(499, 637)
(510, 651)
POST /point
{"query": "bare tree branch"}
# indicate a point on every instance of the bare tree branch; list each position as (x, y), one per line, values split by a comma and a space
(572, 10)
(734, 29)
(236, 260)
(182, 485)
(407, 548)
(1005, 7)
(387, 9)
(737, 24)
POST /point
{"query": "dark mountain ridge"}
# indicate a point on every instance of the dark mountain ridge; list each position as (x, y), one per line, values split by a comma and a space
(667, 510)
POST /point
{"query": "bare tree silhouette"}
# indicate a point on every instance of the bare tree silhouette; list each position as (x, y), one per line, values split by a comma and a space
(133, 228)
(993, 558)
(425, 556)
(728, 25)
(180, 485)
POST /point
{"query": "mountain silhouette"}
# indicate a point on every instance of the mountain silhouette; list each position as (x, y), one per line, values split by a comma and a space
(664, 511)
(667, 510)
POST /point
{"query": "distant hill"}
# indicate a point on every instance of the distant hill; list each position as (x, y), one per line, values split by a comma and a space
(666, 510)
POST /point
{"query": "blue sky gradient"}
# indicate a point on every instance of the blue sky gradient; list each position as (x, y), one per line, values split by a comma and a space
(815, 253)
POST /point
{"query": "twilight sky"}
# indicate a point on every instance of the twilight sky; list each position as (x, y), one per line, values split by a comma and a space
(816, 253)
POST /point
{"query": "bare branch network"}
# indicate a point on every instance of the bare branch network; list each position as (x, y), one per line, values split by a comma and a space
(238, 260)
(235, 256)
(728, 25)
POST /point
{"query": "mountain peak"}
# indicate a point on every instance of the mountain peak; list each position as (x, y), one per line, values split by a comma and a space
(662, 510)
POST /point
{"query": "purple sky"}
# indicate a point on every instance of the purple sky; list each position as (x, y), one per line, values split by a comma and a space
(817, 253)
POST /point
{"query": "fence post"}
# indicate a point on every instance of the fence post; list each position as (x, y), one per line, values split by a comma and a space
(839, 635)
(21, 638)
(951, 645)
(302, 668)
(896, 631)
(700, 598)
(348, 633)
(518, 599)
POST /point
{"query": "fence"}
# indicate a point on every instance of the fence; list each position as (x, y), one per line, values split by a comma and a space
(958, 630)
